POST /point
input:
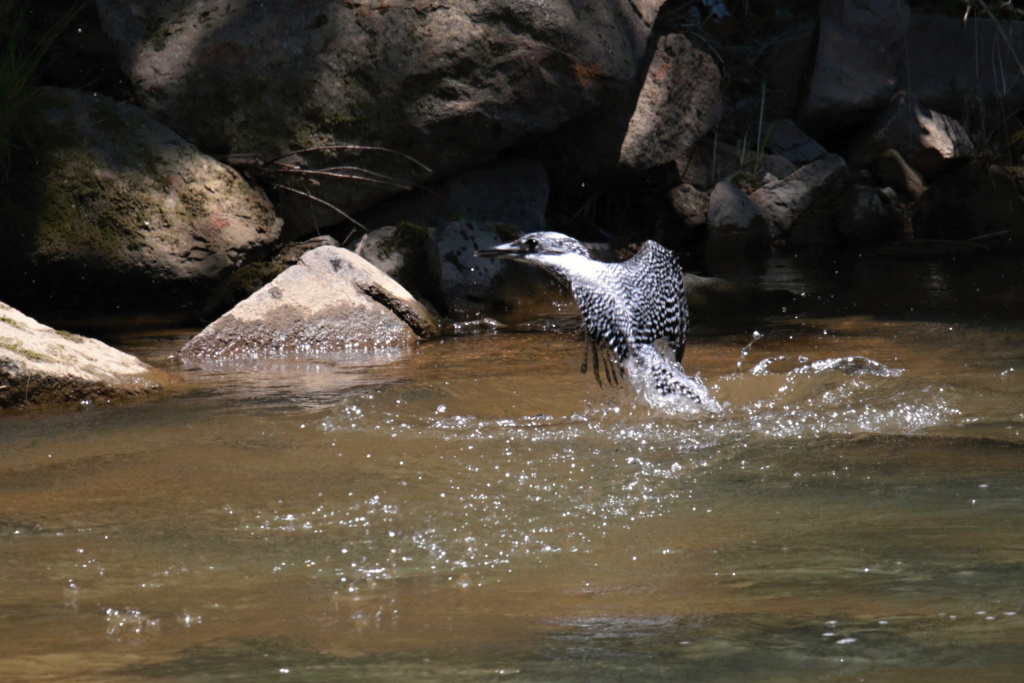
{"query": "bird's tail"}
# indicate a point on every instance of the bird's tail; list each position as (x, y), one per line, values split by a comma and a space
(664, 384)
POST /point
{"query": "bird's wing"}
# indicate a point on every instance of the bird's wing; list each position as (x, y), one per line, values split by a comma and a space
(606, 318)
(654, 280)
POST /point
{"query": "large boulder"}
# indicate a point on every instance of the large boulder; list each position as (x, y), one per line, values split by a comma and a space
(118, 207)
(450, 83)
(680, 101)
(40, 365)
(952, 63)
(860, 47)
(867, 50)
(331, 300)
(976, 200)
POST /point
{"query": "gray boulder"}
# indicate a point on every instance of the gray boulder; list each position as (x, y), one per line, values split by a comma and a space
(450, 84)
(467, 283)
(119, 198)
(245, 281)
(893, 170)
(710, 162)
(867, 50)
(331, 300)
(786, 139)
(783, 201)
(860, 49)
(680, 101)
(736, 228)
(40, 365)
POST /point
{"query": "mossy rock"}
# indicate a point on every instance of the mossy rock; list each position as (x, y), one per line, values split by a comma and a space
(113, 202)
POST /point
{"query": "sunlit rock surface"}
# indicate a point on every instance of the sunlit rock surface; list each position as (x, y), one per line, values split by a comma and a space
(928, 140)
(451, 83)
(331, 300)
(680, 101)
(40, 365)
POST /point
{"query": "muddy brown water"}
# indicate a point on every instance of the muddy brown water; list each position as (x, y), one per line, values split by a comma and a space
(476, 509)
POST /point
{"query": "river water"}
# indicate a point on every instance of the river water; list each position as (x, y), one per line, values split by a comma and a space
(476, 509)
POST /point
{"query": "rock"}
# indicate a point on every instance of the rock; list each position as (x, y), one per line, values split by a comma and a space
(331, 300)
(951, 62)
(394, 248)
(245, 281)
(690, 204)
(870, 217)
(975, 200)
(736, 229)
(929, 141)
(708, 163)
(471, 286)
(721, 305)
(451, 84)
(121, 209)
(290, 252)
(680, 101)
(786, 63)
(849, 214)
(513, 192)
(786, 139)
(856, 69)
(40, 365)
(401, 252)
(892, 169)
(783, 201)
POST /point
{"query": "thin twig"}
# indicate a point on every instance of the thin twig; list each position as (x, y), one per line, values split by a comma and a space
(326, 203)
(360, 148)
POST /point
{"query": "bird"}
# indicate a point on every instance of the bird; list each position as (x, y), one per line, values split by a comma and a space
(635, 314)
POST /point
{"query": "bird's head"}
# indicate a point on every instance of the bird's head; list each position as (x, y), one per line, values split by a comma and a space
(537, 247)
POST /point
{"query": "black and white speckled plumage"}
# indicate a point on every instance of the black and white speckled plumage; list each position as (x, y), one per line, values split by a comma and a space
(634, 312)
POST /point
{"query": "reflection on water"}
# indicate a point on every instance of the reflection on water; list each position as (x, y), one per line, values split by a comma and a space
(475, 508)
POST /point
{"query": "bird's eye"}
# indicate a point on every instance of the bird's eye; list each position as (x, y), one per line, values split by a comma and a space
(532, 244)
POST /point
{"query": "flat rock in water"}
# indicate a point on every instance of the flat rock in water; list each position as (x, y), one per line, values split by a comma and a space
(40, 365)
(331, 300)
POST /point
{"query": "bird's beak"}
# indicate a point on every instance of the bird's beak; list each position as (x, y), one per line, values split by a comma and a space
(508, 250)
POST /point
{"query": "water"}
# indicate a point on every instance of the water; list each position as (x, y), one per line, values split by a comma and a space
(476, 509)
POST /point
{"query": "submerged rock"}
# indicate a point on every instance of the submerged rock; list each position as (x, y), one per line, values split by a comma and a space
(331, 300)
(40, 365)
